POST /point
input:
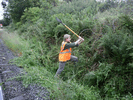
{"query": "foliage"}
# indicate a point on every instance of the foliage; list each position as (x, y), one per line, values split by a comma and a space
(107, 5)
(7, 17)
(74, 7)
(18, 7)
(31, 15)
(1, 21)
(73, 15)
(58, 89)
(117, 47)
(104, 70)
(14, 42)
(126, 22)
(110, 80)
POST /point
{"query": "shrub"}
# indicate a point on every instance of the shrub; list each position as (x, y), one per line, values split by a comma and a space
(117, 47)
(31, 15)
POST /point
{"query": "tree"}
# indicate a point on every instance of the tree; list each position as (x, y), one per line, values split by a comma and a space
(17, 7)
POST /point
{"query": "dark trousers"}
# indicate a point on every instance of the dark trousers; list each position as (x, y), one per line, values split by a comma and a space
(62, 65)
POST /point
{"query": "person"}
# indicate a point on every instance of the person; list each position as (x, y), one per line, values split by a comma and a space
(1, 25)
(65, 52)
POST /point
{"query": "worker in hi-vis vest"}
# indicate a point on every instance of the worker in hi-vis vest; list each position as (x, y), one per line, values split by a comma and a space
(65, 52)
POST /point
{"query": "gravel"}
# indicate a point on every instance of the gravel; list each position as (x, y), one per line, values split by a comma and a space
(13, 88)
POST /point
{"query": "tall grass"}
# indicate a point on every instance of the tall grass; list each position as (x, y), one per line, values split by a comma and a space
(59, 89)
(14, 42)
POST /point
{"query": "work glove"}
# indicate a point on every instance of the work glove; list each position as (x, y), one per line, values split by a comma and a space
(77, 42)
(81, 38)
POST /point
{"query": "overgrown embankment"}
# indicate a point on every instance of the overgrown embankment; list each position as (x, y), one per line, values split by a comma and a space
(104, 69)
(11, 83)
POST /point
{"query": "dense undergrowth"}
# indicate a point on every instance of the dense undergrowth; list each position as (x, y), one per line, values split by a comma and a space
(105, 64)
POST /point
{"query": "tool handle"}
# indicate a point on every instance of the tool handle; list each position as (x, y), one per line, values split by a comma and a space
(71, 31)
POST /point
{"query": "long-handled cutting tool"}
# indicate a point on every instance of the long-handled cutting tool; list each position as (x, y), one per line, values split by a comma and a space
(67, 27)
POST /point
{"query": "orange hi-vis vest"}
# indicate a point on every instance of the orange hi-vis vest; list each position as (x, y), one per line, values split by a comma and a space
(64, 55)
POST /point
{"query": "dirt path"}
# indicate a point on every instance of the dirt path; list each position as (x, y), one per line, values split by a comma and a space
(13, 88)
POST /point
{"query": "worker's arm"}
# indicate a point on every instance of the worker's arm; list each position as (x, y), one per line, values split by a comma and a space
(75, 44)
(70, 45)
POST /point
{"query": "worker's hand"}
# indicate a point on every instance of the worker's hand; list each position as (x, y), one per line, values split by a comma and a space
(81, 38)
(77, 42)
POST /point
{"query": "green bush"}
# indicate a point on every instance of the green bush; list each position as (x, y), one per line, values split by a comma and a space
(58, 89)
(117, 47)
(126, 22)
(73, 7)
(31, 15)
